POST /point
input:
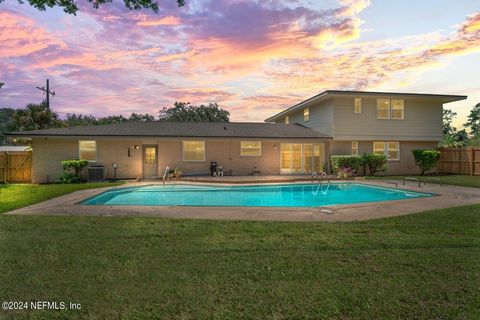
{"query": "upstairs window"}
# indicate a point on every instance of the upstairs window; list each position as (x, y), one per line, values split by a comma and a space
(287, 119)
(87, 150)
(390, 109)
(383, 109)
(250, 148)
(354, 148)
(397, 109)
(193, 150)
(358, 105)
(306, 114)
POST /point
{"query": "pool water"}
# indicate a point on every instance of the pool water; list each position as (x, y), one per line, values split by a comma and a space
(280, 195)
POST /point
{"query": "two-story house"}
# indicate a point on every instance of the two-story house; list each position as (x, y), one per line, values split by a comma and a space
(361, 122)
(298, 140)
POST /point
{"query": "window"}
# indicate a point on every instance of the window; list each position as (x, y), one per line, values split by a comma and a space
(358, 105)
(193, 150)
(301, 158)
(383, 109)
(390, 149)
(150, 155)
(355, 147)
(250, 148)
(397, 109)
(393, 150)
(287, 119)
(87, 150)
(379, 147)
(390, 109)
(306, 114)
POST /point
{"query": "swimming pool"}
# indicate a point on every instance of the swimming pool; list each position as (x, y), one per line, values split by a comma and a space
(279, 195)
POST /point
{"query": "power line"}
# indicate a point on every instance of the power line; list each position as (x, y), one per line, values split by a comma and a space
(48, 92)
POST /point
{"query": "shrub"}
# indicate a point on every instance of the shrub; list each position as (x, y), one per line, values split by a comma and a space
(426, 159)
(72, 165)
(339, 162)
(375, 162)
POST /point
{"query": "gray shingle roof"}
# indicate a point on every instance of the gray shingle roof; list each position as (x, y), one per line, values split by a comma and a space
(182, 129)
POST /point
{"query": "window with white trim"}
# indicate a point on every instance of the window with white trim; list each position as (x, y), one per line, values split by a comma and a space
(354, 147)
(390, 109)
(306, 114)
(390, 149)
(397, 109)
(193, 150)
(87, 150)
(287, 119)
(383, 109)
(250, 148)
(357, 105)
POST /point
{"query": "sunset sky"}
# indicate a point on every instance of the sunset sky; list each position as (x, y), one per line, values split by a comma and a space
(253, 58)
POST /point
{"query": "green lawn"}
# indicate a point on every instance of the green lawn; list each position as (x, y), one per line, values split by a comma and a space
(421, 266)
(455, 180)
(13, 196)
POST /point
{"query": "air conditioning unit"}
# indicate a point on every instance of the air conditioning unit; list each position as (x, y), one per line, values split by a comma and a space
(96, 173)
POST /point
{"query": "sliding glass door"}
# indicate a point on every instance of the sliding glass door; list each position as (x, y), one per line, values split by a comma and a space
(296, 158)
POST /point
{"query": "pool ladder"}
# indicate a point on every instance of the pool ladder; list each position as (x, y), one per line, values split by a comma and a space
(166, 177)
(320, 178)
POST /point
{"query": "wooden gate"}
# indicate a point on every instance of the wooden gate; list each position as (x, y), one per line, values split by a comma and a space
(16, 167)
(460, 161)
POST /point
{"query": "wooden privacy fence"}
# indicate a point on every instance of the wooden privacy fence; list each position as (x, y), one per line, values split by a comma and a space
(460, 161)
(16, 167)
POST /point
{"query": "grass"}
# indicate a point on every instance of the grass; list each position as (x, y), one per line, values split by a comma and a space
(422, 266)
(14, 196)
(455, 180)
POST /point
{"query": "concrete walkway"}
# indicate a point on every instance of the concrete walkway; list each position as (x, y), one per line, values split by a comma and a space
(447, 196)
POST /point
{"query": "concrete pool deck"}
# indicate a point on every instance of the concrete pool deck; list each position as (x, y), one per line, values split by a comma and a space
(446, 196)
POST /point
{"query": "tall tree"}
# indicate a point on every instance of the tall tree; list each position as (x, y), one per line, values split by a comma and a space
(473, 122)
(448, 116)
(35, 117)
(71, 6)
(186, 112)
(73, 120)
(139, 117)
(6, 121)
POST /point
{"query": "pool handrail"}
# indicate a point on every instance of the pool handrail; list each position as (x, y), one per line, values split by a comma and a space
(165, 175)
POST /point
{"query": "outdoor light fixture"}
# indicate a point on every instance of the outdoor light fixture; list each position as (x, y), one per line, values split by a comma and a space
(115, 166)
(136, 147)
(275, 147)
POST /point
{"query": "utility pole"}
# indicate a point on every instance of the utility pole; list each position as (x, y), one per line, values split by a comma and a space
(48, 92)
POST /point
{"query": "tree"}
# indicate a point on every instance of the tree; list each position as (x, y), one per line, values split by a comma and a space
(426, 159)
(71, 6)
(2, 84)
(35, 117)
(6, 122)
(138, 117)
(72, 120)
(450, 141)
(474, 120)
(185, 112)
(448, 116)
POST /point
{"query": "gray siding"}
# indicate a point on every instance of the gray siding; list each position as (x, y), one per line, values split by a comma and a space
(321, 117)
(423, 121)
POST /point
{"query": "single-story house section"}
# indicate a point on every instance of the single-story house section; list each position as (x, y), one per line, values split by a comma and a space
(144, 149)
(298, 140)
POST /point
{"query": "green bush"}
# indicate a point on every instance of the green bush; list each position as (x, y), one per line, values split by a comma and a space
(72, 170)
(339, 162)
(426, 159)
(375, 162)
